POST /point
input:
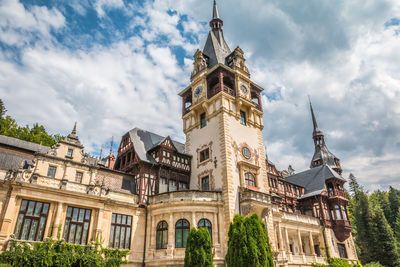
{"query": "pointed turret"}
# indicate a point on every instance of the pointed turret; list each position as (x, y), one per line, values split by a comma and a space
(216, 49)
(322, 156)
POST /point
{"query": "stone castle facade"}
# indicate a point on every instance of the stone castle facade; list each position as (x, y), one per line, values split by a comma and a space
(148, 197)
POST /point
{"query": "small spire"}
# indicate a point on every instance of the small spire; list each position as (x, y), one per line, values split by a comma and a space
(74, 129)
(215, 11)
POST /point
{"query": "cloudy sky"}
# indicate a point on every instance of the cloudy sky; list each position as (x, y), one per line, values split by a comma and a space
(112, 65)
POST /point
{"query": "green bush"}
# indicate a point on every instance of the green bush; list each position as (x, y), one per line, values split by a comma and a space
(337, 262)
(60, 253)
(199, 249)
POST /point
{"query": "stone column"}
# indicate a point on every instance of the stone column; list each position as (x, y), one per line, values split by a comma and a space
(194, 224)
(300, 245)
(311, 244)
(288, 244)
(171, 239)
(10, 210)
(57, 221)
(280, 237)
(99, 228)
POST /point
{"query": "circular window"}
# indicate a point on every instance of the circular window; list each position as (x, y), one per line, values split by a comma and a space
(246, 153)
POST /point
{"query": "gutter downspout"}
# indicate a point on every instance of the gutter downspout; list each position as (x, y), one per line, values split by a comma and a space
(145, 238)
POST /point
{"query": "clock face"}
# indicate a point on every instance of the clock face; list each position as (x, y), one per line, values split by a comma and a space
(246, 153)
(198, 91)
(244, 89)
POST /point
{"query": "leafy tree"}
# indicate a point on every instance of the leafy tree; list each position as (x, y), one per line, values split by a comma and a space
(373, 264)
(248, 243)
(199, 249)
(37, 134)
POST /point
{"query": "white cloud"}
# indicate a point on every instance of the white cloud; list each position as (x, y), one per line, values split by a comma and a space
(339, 53)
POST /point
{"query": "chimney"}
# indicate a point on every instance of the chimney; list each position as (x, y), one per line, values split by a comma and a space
(111, 161)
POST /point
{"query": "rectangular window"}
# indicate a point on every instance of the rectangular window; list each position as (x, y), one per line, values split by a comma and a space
(77, 223)
(204, 154)
(31, 220)
(183, 186)
(342, 250)
(120, 235)
(172, 185)
(242, 117)
(163, 186)
(78, 177)
(51, 172)
(203, 121)
(205, 185)
(69, 152)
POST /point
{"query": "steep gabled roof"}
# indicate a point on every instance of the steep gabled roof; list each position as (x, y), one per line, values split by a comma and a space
(313, 180)
(143, 141)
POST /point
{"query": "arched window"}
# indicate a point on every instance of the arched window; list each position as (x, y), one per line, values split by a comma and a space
(344, 213)
(181, 233)
(338, 214)
(250, 179)
(204, 223)
(162, 235)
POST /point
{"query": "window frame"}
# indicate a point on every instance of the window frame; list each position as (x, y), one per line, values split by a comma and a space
(113, 231)
(182, 228)
(19, 226)
(162, 227)
(69, 155)
(69, 222)
(208, 227)
(243, 120)
(208, 182)
(342, 250)
(48, 170)
(247, 179)
(76, 177)
(203, 120)
(202, 154)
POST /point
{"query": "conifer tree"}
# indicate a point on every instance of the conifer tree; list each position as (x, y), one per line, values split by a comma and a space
(383, 247)
(396, 229)
(363, 225)
(394, 200)
(248, 243)
(354, 185)
(199, 249)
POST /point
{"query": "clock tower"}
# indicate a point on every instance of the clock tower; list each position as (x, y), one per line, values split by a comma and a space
(223, 121)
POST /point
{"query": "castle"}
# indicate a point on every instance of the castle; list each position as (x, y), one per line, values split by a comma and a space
(148, 197)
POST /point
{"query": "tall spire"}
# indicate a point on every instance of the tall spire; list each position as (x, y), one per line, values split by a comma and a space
(216, 49)
(215, 11)
(316, 129)
(321, 154)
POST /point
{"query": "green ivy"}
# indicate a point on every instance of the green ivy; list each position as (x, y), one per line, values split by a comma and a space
(60, 253)
(337, 262)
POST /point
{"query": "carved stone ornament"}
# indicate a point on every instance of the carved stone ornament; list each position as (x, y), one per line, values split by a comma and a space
(199, 63)
(53, 150)
(238, 59)
(245, 210)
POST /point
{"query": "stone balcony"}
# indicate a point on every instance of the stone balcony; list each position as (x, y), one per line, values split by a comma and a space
(186, 195)
(294, 217)
(254, 196)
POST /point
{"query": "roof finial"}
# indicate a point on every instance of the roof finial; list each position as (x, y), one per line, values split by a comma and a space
(216, 23)
(74, 129)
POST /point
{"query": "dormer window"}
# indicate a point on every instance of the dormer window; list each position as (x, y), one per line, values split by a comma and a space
(69, 153)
